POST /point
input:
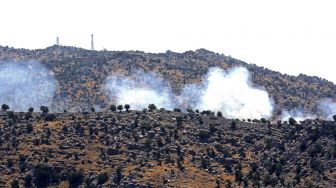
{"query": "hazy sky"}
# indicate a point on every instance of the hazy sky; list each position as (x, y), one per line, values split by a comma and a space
(290, 36)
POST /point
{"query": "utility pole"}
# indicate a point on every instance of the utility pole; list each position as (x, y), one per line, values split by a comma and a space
(57, 41)
(92, 46)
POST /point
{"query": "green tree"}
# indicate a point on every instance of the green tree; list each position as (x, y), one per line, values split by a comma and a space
(291, 121)
(92, 109)
(75, 178)
(334, 117)
(120, 108)
(219, 114)
(102, 178)
(127, 107)
(4, 107)
(44, 109)
(152, 107)
(31, 110)
(113, 108)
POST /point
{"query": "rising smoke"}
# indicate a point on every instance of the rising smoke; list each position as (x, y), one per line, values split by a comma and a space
(140, 90)
(230, 92)
(26, 84)
(326, 109)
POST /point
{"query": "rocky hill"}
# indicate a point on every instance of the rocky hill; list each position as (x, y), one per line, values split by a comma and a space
(159, 148)
(81, 75)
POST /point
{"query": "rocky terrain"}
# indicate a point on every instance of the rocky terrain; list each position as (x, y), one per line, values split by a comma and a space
(81, 75)
(160, 148)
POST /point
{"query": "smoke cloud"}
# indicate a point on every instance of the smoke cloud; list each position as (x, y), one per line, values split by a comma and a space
(328, 108)
(297, 114)
(26, 84)
(229, 92)
(139, 90)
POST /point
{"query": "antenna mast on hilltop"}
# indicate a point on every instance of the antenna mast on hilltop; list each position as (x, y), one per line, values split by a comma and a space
(92, 47)
(57, 41)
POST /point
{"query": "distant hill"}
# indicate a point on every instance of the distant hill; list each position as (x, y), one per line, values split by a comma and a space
(81, 74)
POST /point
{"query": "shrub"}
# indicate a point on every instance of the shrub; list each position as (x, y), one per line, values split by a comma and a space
(49, 117)
(113, 108)
(291, 121)
(15, 184)
(29, 128)
(152, 107)
(42, 175)
(204, 135)
(179, 121)
(75, 178)
(28, 180)
(102, 178)
(120, 108)
(44, 109)
(127, 107)
(177, 110)
(233, 124)
(4, 107)
(31, 110)
(219, 114)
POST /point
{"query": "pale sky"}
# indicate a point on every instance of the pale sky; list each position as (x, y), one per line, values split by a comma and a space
(290, 36)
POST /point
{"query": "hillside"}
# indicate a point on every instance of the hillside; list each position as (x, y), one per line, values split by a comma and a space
(81, 75)
(163, 149)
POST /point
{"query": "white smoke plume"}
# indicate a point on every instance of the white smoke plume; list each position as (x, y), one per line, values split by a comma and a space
(26, 84)
(328, 108)
(230, 92)
(297, 114)
(140, 90)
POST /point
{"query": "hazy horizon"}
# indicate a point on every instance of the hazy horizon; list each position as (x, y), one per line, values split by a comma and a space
(289, 37)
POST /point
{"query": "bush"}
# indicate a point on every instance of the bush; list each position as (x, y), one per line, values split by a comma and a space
(179, 121)
(127, 107)
(29, 128)
(31, 110)
(120, 108)
(334, 117)
(102, 178)
(152, 107)
(219, 114)
(291, 121)
(75, 178)
(263, 120)
(49, 117)
(204, 135)
(177, 110)
(113, 108)
(92, 109)
(15, 184)
(41, 175)
(44, 109)
(233, 124)
(28, 180)
(4, 107)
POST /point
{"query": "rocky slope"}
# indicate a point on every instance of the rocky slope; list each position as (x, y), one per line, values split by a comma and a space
(162, 148)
